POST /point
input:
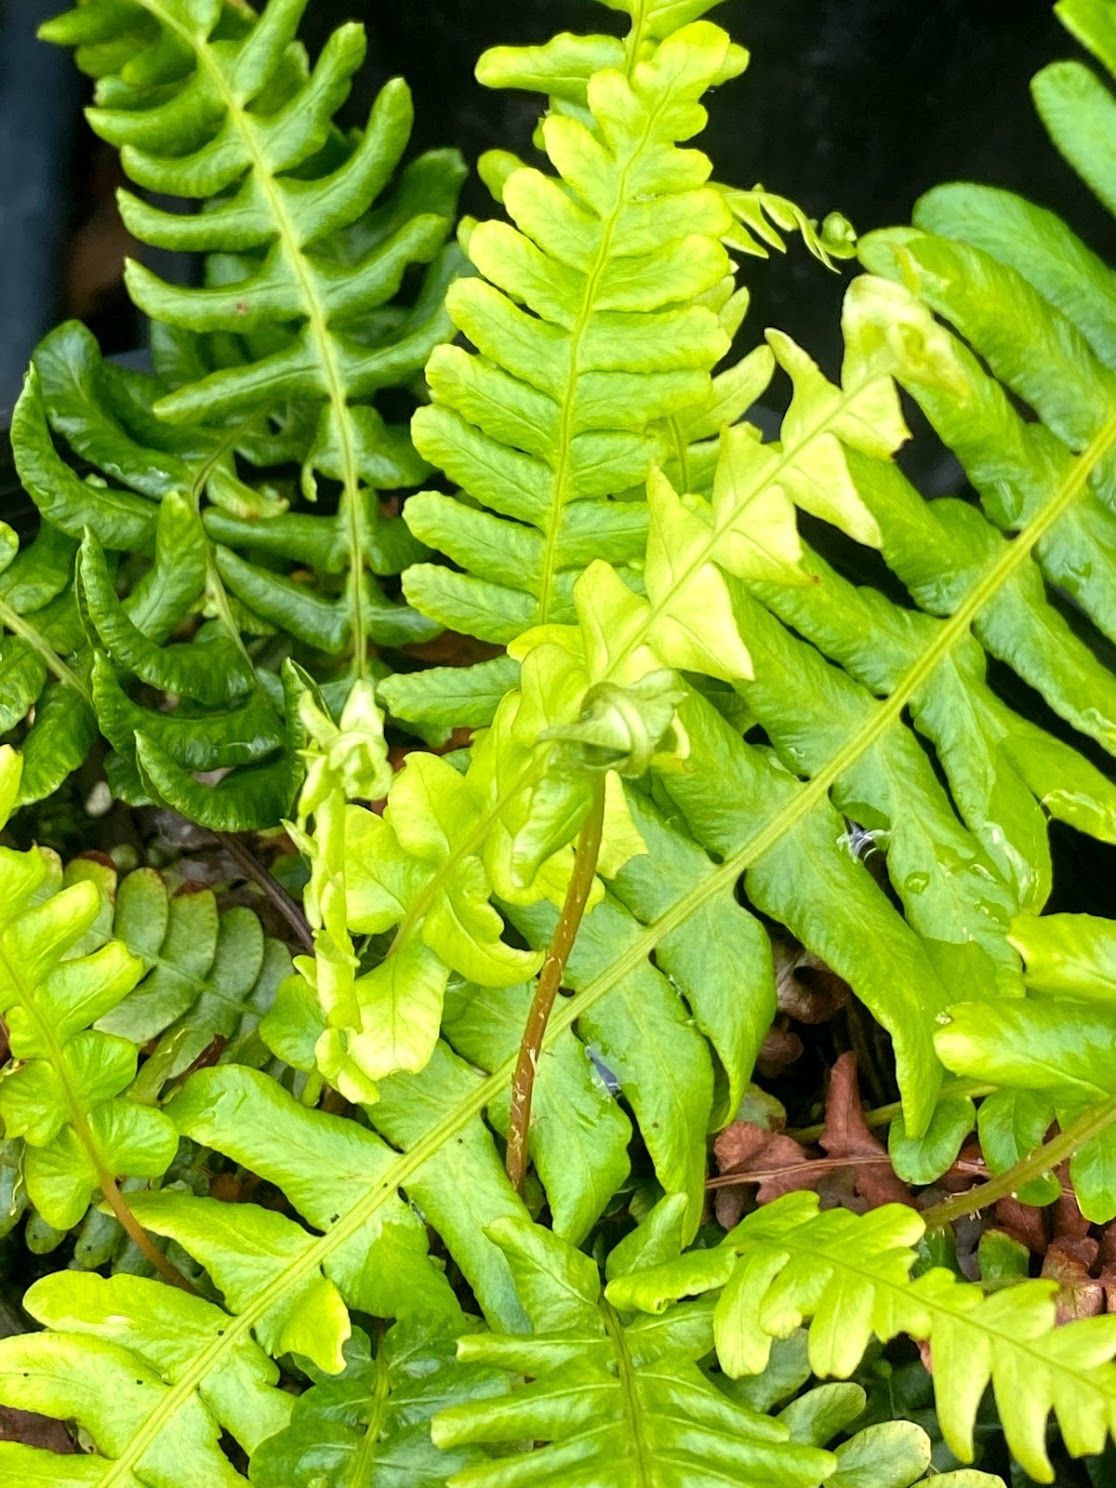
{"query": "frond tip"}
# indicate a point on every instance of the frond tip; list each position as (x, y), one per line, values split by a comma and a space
(594, 318)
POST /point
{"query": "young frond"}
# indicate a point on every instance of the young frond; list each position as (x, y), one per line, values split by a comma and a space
(850, 1276)
(596, 314)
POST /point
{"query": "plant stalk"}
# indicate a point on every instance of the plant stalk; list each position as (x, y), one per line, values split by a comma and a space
(272, 889)
(1042, 1160)
(549, 983)
(136, 1232)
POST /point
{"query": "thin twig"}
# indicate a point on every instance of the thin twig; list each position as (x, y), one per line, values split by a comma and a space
(820, 1166)
(885, 1115)
(272, 889)
(809, 1165)
(1042, 1160)
(550, 980)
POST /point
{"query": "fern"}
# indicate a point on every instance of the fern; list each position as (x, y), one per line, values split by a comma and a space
(959, 882)
(204, 113)
(201, 979)
(371, 1421)
(597, 320)
(449, 841)
(620, 701)
(619, 1400)
(292, 199)
(850, 1275)
(63, 1091)
(228, 712)
(623, 273)
(244, 1249)
(954, 892)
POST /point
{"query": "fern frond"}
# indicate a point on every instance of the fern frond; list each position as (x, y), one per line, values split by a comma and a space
(594, 316)
(760, 218)
(373, 1419)
(205, 979)
(618, 1400)
(1050, 1056)
(208, 974)
(63, 1091)
(382, 1269)
(228, 712)
(305, 254)
(40, 665)
(850, 1275)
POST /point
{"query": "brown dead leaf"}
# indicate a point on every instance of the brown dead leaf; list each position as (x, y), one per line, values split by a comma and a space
(34, 1431)
(1023, 1223)
(1080, 1293)
(778, 1052)
(848, 1135)
(745, 1148)
(806, 988)
(856, 1172)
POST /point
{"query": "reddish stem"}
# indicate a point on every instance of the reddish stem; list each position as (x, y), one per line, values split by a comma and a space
(550, 980)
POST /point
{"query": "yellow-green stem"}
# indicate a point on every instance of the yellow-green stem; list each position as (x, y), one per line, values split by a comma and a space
(1036, 1164)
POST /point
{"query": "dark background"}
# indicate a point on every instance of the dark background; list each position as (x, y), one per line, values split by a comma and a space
(853, 104)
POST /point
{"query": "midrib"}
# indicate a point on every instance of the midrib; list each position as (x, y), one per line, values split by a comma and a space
(629, 1395)
(577, 336)
(316, 321)
(360, 1473)
(46, 653)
